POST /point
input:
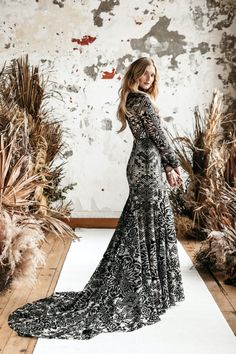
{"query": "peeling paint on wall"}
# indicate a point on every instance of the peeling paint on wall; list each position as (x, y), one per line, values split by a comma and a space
(85, 40)
(108, 74)
(218, 9)
(93, 70)
(105, 6)
(197, 14)
(227, 47)
(213, 14)
(123, 62)
(168, 119)
(72, 88)
(203, 47)
(106, 124)
(86, 121)
(67, 154)
(59, 3)
(85, 48)
(165, 42)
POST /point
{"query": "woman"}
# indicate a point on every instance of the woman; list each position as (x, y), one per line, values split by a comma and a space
(139, 275)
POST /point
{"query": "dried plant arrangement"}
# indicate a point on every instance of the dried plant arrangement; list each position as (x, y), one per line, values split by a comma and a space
(218, 253)
(205, 207)
(30, 140)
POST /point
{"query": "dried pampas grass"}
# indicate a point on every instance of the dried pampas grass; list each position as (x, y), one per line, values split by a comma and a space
(30, 140)
(204, 158)
(21, 253)
(209, 195)
(23, 112)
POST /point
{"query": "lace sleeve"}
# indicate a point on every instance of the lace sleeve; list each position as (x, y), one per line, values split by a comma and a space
(152, 125)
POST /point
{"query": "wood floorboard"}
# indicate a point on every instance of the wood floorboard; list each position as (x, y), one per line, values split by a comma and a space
(47, 276)
(223, 294)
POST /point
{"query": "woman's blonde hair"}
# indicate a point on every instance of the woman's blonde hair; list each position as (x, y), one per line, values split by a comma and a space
(129, 83)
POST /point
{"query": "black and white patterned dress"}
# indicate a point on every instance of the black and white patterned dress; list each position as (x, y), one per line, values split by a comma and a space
(139, 275)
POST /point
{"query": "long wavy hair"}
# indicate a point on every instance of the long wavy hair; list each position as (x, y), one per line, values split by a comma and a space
(130, 83)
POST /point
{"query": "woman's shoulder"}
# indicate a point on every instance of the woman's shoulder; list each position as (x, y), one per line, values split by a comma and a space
(136, 97)
(136, 94)
(138, 102)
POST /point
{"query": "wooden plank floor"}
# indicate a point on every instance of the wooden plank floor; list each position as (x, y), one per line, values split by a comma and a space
(224, 295)
(56, 250)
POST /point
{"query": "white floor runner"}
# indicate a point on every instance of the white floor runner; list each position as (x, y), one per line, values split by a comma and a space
(194, 326)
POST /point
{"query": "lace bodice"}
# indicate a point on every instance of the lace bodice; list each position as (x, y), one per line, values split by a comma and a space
(144, 122)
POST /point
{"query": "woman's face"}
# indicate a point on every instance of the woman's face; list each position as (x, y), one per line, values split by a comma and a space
(146, 80)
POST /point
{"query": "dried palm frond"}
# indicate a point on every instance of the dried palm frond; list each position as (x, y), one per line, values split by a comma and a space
(47, 136)
(228, 197)
(192, 155)
(18, 129)
(213, 126)
(56, 226)
(29, 181)
(63, 208)
(23, 86)
(2, 233)
(211, 212)
(204, 158)
(52, 133)
(23, 99)
(16, 190)
(229, 125)
(209, 159)
(22, 231)
(15, 187)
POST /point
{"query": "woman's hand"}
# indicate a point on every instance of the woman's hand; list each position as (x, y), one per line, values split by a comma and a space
(177, 170)
(174, 178)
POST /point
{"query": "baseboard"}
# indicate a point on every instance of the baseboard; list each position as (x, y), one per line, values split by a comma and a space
(106, 223)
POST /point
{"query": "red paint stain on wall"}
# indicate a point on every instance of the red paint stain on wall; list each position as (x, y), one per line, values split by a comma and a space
(108, 75)
(85, 40)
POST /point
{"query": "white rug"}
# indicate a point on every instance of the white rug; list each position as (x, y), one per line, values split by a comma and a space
(194, 326)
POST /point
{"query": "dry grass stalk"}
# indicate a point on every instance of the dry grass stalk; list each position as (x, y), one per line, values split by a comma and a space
(17, 190)
(21, 231)
(29, 143)
(208, 158)
(229, 125)
(204, 158)
(23, 99)
(22, 85)
(21, 253)
(15, 187)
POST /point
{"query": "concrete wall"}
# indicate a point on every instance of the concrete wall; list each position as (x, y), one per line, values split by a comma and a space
(85, 47)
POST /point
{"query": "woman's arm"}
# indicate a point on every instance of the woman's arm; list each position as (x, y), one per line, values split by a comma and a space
(152, 124)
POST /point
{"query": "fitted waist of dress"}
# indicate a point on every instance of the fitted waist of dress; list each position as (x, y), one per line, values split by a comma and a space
(141, 138)
(145, 140)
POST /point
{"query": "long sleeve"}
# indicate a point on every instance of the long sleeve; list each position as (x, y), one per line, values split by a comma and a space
(152, 125)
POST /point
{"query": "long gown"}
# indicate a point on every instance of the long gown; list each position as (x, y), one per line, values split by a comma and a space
(139, 275)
